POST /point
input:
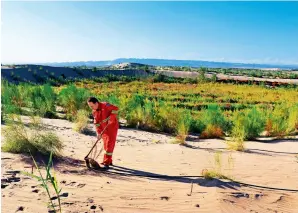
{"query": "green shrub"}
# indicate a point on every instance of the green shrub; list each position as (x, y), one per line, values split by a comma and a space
(196, 125)
(254, 124)
(134, 110)
(292, 120)
(277, 121)
(43, 100)
(167, 118)
(73, 99)
(212, 131)
(214, 121)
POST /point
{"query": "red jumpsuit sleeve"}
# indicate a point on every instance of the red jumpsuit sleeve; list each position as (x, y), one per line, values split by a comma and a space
(96, 120)
(113, 111)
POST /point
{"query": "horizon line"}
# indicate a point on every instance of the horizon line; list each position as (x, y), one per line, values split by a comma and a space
(198, 60)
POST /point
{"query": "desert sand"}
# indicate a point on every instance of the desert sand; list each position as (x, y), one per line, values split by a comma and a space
(271, 164)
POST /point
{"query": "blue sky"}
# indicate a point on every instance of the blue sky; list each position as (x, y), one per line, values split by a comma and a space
(252, 32)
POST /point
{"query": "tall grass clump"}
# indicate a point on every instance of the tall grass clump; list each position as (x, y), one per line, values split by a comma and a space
(43, 101)
(214, 121)
(254, 123)
(73, 99)
(216, 171)
(183, 126)
(140, 112)
(48, 180)
(134, 110)
(11, 99)
(21, 139)
(167, 118)
(238, 133)
(247, 125)
(81, 121)
(25, 98)
(293, 120)
(281, 120)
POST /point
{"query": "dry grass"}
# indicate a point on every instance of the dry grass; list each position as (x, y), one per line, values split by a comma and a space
(81, 121)
(238, 133)
(211, 174)
(20, 139)
(212, 131)
(216, 171)
(237, 145)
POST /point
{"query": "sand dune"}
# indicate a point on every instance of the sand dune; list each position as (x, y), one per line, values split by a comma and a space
(35, 73)
(142, 153)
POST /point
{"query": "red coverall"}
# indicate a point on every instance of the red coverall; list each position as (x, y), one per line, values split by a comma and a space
(106, 114)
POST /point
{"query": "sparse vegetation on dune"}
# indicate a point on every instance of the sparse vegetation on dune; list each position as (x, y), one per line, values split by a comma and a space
(217, 169)
(32, 139)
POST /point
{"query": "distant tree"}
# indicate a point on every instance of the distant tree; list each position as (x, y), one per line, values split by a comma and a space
(214, 78)
(146, 68)
(63, 76)
(204, 69)
(186, 68)
(202, 78)
(94, 69)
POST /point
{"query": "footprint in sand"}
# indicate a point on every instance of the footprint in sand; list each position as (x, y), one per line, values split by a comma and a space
(81, 185)
(165, 198)
(3, 186)
(12, 179)
(258, 196)
(73, 183)
(21, 208)
(65, 194)
(94, 207)
(239, 194)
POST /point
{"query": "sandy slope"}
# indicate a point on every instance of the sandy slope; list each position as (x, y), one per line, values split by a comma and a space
(220, 76)
(138, 152)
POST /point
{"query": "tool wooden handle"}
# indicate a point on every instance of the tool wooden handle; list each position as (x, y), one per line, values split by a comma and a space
(98, 139)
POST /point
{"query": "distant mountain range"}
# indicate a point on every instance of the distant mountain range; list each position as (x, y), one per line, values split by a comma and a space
(168, 62)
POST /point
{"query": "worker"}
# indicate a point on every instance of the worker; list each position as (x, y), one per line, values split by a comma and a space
(105, 114)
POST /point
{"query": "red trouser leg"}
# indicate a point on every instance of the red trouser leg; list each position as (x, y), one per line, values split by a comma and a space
(109, 140)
